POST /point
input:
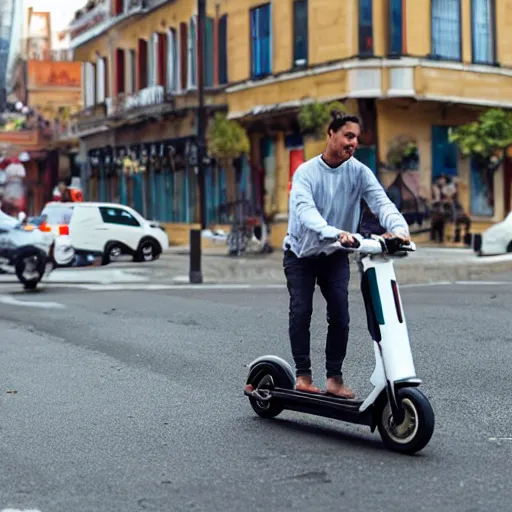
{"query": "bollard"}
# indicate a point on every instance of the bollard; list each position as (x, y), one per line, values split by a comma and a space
(195, 273)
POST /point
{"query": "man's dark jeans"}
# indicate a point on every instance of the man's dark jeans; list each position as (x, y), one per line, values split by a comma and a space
(332, 273)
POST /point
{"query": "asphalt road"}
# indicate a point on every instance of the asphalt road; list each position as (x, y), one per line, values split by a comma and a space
(133, 401)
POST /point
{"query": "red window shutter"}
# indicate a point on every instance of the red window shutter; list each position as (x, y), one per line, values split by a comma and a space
(120, 71)
(183, 55)
(118, 7)
(142, 59)
(162, 58)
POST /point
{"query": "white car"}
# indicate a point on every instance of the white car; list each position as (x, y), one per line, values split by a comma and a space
(107, 229)
(495, 240)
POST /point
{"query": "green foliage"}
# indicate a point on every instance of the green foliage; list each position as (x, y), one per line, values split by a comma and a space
(486, 138)
(403, 153)
(313, 117)
(226, 139)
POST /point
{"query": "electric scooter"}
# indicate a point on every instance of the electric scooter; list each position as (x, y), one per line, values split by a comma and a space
(400, 411)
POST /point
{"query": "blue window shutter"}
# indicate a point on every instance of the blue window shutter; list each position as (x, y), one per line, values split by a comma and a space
(446, 29)
(300, 33)
(208, 56)
(483, 33)
(261, 57)
(223, 49)
(365, 27)
(395, 27)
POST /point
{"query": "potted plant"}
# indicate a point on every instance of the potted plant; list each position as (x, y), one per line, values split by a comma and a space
(403, 154)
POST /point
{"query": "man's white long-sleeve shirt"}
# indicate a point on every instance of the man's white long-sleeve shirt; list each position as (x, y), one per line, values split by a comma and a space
(325, 201)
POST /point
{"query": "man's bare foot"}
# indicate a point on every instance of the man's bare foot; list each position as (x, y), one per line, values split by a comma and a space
(336, 387)
(306, 384)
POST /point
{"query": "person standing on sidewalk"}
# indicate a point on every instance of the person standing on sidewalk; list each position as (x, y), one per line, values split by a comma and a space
(325, 202)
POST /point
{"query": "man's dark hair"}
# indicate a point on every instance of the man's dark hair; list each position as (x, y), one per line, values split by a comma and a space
(340, 121)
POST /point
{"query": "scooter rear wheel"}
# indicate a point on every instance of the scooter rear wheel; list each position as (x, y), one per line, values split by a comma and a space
(264, 377)
(415, 431)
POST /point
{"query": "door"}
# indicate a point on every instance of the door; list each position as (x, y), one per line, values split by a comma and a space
(85, 229)
(121, 226)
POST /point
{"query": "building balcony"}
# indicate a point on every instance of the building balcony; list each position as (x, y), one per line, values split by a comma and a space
(85, 21)
(89, 120)
(419, 79)
(26, 139)
(140, 101)
(99, 19)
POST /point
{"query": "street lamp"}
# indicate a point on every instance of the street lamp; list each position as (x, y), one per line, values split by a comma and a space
(195, 272)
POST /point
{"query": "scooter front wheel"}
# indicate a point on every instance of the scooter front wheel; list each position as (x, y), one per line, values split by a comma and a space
(415, 431)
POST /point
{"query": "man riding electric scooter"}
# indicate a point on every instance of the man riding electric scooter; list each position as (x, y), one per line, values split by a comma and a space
(325, 203)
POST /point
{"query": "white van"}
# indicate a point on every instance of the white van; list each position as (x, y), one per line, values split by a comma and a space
(108, 229)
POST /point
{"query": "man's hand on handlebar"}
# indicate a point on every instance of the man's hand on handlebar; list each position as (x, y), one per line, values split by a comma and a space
(404, 238)
(348, 240)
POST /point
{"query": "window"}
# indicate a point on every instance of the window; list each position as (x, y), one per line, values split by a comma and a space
(395, 27)
(446, 29)
(223, 49)
(208, 57)
(482, 28)
(261, 41)
(57, 215)
(300, 33)
(172, 61)
(118, 216)
(365, 28)
(192, 54)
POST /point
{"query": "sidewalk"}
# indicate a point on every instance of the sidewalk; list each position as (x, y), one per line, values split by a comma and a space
(428, 264)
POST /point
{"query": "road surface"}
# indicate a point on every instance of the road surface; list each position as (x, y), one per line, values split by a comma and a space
(132, 400)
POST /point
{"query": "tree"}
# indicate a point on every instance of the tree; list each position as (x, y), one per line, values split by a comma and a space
(486, 139)
(227, 141)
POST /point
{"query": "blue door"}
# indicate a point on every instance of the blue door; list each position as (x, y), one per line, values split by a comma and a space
(444, 153)
(368, 156)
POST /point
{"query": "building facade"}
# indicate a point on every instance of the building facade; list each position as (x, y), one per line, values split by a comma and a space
(45, 87)
(411, 69)
(138, 128)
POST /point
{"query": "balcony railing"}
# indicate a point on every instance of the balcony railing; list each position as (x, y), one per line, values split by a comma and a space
(144, 98)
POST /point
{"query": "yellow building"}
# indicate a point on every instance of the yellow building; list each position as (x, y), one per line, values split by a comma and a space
(138, 127)
(409, 68)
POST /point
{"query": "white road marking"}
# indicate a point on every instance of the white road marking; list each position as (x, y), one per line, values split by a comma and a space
(8, 299)
(500, 438)
(20, 510)
(457, 283)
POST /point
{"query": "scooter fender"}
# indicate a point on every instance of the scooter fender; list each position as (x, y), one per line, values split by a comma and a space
(278, 368)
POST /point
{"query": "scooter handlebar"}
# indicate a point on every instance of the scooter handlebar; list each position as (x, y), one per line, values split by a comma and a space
(375, 245)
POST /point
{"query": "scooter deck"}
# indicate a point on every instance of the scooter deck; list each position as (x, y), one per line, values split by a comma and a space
(323, 404)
